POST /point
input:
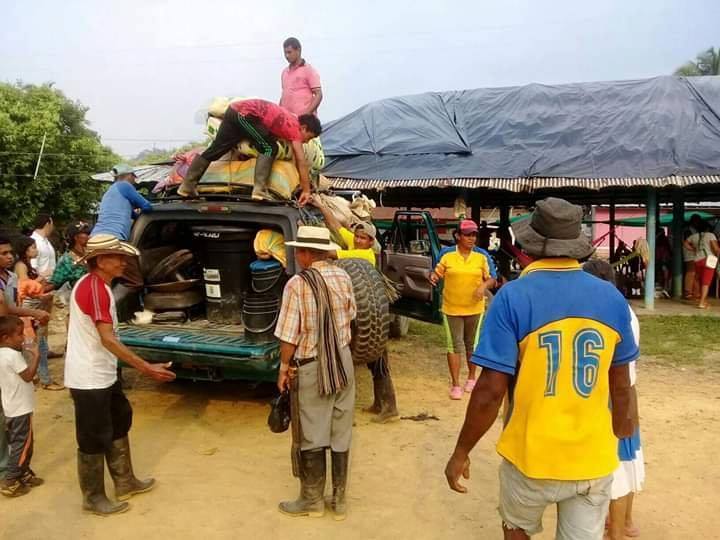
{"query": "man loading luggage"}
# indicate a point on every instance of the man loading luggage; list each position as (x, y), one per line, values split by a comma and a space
(359, 240)
(262, 123)
(359, 244)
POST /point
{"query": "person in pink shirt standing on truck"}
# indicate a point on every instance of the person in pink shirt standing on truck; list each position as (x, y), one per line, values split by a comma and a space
(301, 91)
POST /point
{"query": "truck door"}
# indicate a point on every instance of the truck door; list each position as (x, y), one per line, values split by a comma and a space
(410, 252)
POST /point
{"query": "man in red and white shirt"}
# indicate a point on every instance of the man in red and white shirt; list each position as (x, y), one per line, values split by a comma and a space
(103, 415)
(301, 90)
(261, 123)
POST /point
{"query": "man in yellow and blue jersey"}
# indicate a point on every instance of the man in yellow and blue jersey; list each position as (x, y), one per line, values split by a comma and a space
(559, 341)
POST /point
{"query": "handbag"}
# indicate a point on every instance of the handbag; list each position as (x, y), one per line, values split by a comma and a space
(711, 261)
(279, 417)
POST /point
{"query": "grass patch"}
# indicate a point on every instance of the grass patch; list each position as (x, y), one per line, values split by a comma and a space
(683, 340)
(432, 334)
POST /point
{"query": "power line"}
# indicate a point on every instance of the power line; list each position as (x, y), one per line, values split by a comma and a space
(71, 173)
(46, 154)
(119, 139)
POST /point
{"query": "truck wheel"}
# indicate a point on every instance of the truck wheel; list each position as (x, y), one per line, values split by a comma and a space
(372, 323)
(399, 326)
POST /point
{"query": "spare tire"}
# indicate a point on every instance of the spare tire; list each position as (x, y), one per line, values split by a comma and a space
(170, 265)
(372, 323)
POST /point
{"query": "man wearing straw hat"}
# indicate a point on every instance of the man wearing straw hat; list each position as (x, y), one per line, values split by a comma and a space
(314, 332)
(103, 415)
(560, 341)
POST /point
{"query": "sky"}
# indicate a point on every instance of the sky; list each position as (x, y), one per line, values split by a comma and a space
(145, 68)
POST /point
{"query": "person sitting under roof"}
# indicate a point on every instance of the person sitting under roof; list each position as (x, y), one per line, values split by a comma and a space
(359, 241)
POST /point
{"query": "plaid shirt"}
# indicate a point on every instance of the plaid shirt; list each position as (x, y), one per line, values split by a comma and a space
(67, 271)
(298, 324)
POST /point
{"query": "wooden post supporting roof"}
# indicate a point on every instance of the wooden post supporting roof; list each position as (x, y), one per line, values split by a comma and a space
(678, 224)
(504, 259)
(612, 231)
(651, 225)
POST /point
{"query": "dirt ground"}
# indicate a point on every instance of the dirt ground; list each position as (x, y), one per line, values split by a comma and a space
(221, 472)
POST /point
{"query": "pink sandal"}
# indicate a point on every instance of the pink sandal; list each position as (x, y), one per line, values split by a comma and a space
(456, 392)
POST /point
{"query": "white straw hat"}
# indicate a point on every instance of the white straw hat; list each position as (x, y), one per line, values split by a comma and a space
(313, 238)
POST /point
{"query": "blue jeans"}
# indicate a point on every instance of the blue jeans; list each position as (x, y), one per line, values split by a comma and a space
(4, 450)
(43, 369)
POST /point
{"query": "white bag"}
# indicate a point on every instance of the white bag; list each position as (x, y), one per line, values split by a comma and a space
(711, 261)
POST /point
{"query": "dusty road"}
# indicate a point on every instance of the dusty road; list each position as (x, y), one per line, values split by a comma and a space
(221, 472)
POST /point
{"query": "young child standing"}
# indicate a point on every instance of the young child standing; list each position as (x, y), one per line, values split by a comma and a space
(18, 402)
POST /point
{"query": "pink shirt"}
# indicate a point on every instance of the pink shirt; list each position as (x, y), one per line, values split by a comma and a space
(297, 85)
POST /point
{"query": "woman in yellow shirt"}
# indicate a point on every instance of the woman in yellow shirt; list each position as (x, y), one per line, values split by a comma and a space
(466, 276)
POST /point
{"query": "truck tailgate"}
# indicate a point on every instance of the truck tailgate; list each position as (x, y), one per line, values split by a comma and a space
(198, 340)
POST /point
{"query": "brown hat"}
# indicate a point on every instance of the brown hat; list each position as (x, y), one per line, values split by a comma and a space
(107, 244)
(554, 230)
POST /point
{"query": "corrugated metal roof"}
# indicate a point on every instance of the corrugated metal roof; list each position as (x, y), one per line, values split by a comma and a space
(519, 185)
(144, 173)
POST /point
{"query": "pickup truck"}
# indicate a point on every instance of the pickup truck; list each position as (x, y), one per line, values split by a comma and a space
(201, 349)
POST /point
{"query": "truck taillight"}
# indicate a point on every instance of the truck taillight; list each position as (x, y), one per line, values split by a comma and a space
(214, 209)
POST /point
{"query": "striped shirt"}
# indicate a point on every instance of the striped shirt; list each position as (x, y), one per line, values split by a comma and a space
(298, 320)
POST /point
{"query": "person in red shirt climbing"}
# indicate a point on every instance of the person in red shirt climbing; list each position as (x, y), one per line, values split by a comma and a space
(262, 123)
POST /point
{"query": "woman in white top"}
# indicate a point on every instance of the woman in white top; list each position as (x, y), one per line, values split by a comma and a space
(628, 478)
(704, 245)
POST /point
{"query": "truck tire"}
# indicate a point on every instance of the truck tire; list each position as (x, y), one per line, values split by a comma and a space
(399, 326)
(372, 323)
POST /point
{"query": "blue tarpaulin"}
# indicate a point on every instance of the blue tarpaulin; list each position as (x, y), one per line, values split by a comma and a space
(623, 129)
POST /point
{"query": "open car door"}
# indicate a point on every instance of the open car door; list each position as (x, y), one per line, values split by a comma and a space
(410, 251)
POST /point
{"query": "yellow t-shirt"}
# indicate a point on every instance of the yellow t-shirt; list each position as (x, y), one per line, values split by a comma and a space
(462, 277)
(352, 253)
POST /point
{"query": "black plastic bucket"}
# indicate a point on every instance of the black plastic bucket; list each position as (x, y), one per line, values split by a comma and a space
(259, 316)
(270, 280)
(226, 254)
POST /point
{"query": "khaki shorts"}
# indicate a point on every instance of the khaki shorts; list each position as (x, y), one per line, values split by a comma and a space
(581, 505)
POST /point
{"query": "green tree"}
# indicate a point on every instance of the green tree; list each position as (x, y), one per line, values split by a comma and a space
(63, 187)
(159, 155)
(706, 63)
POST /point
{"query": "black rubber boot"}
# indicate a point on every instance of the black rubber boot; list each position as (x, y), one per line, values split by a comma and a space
(340, 461)
(197, 168)
(120, 466)
(263, 168)
(91, 472)
(385, 392)
(375, 407)
(312, 486)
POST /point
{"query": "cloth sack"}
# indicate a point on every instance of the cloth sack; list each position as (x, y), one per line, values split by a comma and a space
(270, 244)
(225, 175)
